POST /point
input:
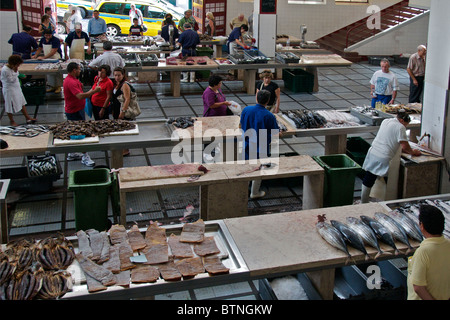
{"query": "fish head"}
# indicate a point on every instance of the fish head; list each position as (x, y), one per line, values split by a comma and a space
(352, 220)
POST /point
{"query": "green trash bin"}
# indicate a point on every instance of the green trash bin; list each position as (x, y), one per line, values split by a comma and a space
(340, 173)
(204, 52)
(91, 190)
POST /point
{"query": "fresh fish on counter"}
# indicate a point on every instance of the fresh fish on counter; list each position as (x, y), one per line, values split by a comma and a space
(366, 233)
(304, 119)
(395, 228)
(408, 225)
(332, 235)
(352, 237)
(381, 232)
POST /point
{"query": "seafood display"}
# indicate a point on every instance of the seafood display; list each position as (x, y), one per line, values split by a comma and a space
(182, 122)
(409, 108)
(31, 270)
(394, 227)
(205, 37)
(25, 130)
(286, 57)
(336, 119)
(331, 235)
(89, 128)
(408, 215)
(144, 257)
(366, 234)
(304, 119)
(382, 233)
(351, 236)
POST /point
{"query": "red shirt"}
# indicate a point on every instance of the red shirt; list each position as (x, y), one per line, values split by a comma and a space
(99, 98)
(72, 86)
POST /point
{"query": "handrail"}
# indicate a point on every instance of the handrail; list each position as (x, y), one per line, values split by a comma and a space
(392, 9)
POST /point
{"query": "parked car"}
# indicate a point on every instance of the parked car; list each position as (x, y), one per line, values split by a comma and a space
(117, 20)
(86, 6)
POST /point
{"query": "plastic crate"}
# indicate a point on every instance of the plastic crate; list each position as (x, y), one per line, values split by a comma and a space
(148, 59)
(266, 292)
(286, 57)
(256, 56)
(204, 52)
(340, 174)
(298, 80)
(91, 190)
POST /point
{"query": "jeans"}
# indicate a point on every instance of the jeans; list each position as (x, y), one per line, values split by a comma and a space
(384, 99)
(76, 116)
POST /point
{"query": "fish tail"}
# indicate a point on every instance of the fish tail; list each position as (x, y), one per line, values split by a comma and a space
(367, 257)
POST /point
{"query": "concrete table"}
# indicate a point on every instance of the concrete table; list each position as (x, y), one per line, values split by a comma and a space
(4, 226)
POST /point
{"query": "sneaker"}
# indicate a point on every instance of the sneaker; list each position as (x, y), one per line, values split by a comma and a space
(87, 161)
(208, 158)
(260, 194)
(74, 156)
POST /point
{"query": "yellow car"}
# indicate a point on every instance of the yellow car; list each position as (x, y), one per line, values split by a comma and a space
(84, 5)
(115, 14)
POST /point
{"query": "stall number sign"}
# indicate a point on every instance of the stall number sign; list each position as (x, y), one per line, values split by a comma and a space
(268, 6)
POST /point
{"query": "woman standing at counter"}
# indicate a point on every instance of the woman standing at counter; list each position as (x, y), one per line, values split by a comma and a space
(100, 100)
(214, 102)
(12, 93)
(267, 84)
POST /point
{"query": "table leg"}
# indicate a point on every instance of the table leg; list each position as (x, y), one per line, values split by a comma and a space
(123, 209)
(313, 191)
(219, 51)
(313, 70)
(4, 222)
(336, 144)
(224, 200)
(323, 281)
(116, 159)
(249, 81)
(175, 83)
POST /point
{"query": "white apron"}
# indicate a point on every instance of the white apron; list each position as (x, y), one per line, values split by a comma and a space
(12, 93)
(77, 49)
(53, 80)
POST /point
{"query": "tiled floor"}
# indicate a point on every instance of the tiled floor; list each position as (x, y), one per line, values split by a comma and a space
(340, 88)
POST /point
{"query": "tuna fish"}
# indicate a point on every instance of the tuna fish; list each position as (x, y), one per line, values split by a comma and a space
(332, 235)
(381, 232)
(395, 228)
(366, 233)
(352, 237)
(410, 226)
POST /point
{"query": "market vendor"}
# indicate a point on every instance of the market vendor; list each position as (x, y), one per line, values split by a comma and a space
(76, 41)
(23, 43)
(51, 46)
(390, 137)
(188, 41)
(235, 38)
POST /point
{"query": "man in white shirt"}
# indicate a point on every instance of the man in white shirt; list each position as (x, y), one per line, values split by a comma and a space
(136, 13)
(108, 57)
(390, 137)
(383, 85)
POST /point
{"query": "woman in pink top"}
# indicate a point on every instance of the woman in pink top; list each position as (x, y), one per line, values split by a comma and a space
(214, 102)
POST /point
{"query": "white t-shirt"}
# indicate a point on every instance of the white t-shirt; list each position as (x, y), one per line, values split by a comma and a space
(136, 14)
(385, 83)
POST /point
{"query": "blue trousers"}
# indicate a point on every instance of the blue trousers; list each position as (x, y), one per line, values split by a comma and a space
(384, 99)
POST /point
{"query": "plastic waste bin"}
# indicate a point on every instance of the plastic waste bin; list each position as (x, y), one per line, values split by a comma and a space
(340, 173)
(204, 52)
(91, 190)
(357, 149)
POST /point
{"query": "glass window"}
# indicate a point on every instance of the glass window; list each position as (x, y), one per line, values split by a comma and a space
(110, 8)
(156, 13)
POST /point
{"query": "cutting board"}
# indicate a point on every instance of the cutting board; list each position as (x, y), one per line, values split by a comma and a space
(122, 133)
(61, 142)
(159, 172)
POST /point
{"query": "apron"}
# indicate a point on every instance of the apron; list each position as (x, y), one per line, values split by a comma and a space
(53, 79)
(77, 49)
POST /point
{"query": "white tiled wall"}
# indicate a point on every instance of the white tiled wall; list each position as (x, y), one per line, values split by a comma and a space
(8, 26)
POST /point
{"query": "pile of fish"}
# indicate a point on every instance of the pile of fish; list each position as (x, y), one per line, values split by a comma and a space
(36, 269)
(304, 119)
(48, 66)
(357, 233)
(336, 119)
(42, 165)
(121, 257)
(411, 209)
(25, 130)
(89, 128)
(205, 37)
(182, 122)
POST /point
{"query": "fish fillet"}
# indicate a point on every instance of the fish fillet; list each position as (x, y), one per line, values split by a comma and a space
(123, 278)
(93, 284)
(125, 252)
(179, 249)
(155, 234)
(104, 255)
(84, 246)
(96, 271)
(96, 242)
(113, 263)
(136, 239)
(214, 266)
(207, 246)
(190, 267)
(144, 274)
(157, 253)
(117, 234)
(169, 271)
(193, 232)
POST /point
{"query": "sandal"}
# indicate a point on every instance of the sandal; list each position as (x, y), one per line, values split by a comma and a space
(31, 121)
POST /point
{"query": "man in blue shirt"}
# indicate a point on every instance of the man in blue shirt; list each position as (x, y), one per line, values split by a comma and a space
(96, 25)
(76, 35)
(235, 38)
(23, 43)
(258, 125)
(188, 40)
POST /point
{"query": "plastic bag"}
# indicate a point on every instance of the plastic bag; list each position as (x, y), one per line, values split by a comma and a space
(88, 107)
(235, 108)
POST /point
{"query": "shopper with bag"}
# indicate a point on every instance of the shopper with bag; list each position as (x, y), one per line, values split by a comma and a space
(124, 99)
(100, 100)
(214, 102)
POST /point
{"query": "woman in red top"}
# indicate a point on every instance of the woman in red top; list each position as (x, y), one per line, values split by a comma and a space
(100, 101)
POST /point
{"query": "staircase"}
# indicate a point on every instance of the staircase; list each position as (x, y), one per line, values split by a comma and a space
(343, 38)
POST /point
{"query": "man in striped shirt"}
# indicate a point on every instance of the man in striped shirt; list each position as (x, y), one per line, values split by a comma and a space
(416, 71)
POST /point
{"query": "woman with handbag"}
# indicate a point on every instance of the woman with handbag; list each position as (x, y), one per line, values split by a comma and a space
(214, 102)
(124, 99)
(100, 100)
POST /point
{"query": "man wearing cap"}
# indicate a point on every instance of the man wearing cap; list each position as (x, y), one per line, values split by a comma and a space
(416, 71)
(96, 25)
(23, 43)
(188, 40)
(390, 137)
(76, 41)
